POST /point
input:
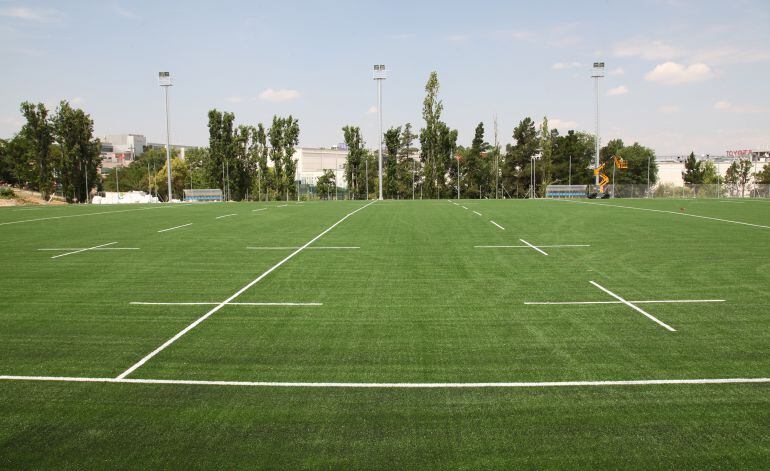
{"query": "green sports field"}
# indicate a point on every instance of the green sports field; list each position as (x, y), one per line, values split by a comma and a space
(419, 334)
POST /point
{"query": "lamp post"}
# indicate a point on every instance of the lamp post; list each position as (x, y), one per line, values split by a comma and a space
(598, 73)
(379, 75)
(164, 80)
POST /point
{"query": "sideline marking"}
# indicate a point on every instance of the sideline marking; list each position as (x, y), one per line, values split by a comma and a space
(527, 246)
(225, 216)
(260, 209)
(79, 215)
(464, 207)
(308, 248)
(282, 205)
(142, 303)
(276, 384)
(669, 212)
(498, 225)
(60, 249)
(655, 301)
(177, 227)
(83, 250)
(536, 248)
(477, 213)
(635, 307)
(234, 295)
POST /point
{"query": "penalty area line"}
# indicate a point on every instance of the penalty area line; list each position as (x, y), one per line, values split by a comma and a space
(279, 384)
(498, 225)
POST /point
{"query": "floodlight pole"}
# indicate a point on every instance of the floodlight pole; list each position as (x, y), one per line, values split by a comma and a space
(597, 74)
(379, 76)
(165, 82)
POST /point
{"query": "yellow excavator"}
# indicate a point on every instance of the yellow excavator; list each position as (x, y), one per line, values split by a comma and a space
(604, 179)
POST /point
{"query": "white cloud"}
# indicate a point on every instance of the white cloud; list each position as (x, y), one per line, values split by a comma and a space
(565, 65)
(234, 99)
(647, 49)
(617, 71)
(673, 73)
(41, 15)
(457, 38)
(125, 13)
(723, 105)
(279, 95)
(556, 123)
(669, 109)
(372, 109)
(620, 90)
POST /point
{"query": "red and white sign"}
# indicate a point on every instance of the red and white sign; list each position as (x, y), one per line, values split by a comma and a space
(739, 153)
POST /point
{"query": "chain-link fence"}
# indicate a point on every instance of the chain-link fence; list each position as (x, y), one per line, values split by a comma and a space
(666, 190)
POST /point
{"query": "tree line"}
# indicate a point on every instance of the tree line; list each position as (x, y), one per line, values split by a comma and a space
(482, 170)
(53, 152)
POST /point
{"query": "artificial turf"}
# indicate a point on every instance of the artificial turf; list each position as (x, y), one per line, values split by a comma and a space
(417, 302)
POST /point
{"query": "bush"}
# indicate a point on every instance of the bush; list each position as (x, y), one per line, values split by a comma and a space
(6, 192)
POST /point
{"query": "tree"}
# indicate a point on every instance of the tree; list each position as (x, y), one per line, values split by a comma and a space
(546, 152)
(356, 155)
(693, 172)
(709, 170)
(261, 150)
(290, 140)
(475, 166)
(763, 177)
(37, 137)
(572, 158)
(79, 152)
(429, 135)
(392, 145)
(407, 169)
(197, 159)
(142, 173)
(179, 176)
(518, 158)
(326, 185)
(637, 157)
(738, 175)
(221, 148)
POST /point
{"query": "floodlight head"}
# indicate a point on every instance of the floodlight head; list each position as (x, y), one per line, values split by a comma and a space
(164, 79)
(379, 72)
(598, 69)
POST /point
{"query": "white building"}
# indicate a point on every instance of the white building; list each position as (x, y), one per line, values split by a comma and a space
(312, 162)
(119, 150)
(670, 168)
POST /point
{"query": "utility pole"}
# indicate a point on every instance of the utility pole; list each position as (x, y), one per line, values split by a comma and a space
(458, 175)
(569, 182)
(164, 79)
(497, 159)
(597, 74)
(380, 74)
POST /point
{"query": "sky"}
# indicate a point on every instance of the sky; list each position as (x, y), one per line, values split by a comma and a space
(681, 75)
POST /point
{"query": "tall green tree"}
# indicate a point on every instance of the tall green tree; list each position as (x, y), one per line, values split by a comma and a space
(221, 148)
(738, 175)
(693, 173)
(37, 137)
(518, 158)
(393, 146)
(290, 140)
(710, 176)
(546, 152)
(259, 138)
(79, 152)
(355, 159)
(409, 175)
(763, 177)
(325, 185)
(432, 107)
(572, 158)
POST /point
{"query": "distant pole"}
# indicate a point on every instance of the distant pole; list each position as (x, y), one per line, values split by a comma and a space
(379, 75)
(336, 176)
(597, 74)
(366, 179)
(613, 177)
(497, 158)
(117, 179)
(164, 78)
(87, 192)
(569, 182)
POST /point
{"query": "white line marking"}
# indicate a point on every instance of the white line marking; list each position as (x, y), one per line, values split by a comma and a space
(276, 384)
(668, 212)
(234, 295)
(282, 205)
(536, 248)
(225, 216)
(527, 246)
(498, 225)
(176, 227)
(634, 307)
(634, 302)
(99, 248)
(141, 303)
(83, 250)
(260, 209)
(309, 248)
(85, 214)
(464, 207)
(477, 213)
